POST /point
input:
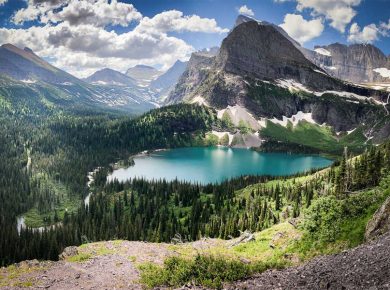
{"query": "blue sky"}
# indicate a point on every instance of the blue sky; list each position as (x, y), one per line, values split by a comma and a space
(40, 25)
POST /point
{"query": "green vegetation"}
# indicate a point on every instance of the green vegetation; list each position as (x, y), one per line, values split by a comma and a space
(210, 140)
(224, 141)
(79, 258)
(227, 121)
(64, 142)
(244, 127)
(63, 147)
(205, 270)
(315, 138)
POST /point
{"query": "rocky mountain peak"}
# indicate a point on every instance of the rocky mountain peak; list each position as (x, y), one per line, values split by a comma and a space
(111, 77)
(27, 49)
(263, 51)
(143, 74)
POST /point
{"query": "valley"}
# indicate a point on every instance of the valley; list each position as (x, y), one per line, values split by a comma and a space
(219, 171)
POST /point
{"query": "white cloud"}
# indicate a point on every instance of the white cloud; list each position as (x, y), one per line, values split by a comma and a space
(97, 12)
(246, 11)
(86, 46)
(385, 26)
(300, 29)
(80, 47)
(2, 2)
(174, 20)
(368, 34)
(339, 12)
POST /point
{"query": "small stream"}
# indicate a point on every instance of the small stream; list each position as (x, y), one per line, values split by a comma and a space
(20, 220)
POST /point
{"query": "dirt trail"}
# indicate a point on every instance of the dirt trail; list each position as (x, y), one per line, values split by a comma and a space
(106, 265)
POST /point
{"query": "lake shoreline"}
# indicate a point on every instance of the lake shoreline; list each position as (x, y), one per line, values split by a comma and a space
(222, 166)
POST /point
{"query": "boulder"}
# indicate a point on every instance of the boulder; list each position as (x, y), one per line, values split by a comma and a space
(380, 222)
(69, 252)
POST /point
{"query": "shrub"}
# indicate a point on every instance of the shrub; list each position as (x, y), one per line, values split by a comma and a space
(208, 271)
(322, 218)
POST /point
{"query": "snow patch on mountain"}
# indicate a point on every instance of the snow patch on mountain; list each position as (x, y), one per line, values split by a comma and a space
(342, 94)
(292, 85)
(199, 100)
(323, 51)
(237, 114)
(384, 72)
(28, 81)
(321, 72)
(294, 119)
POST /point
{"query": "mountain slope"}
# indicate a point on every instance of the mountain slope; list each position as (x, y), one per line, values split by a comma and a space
(367, 266)
(167, 81)
(196, 71)
(358, 63)
(23, 64)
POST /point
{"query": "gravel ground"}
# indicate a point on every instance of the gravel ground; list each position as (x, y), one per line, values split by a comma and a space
(365, 267)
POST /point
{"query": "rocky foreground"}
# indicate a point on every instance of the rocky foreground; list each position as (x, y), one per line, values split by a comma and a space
(365, 267)
(113, 266)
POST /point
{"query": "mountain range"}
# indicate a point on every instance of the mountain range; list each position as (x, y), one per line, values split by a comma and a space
(259, 77)
(262, 77)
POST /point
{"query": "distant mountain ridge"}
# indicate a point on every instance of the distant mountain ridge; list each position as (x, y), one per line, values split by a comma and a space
(143, 74)
(22, 70)
(358, 63)
(110, 76)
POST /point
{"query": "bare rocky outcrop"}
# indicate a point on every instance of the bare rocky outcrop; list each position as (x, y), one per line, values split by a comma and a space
(69, 252)
(365, 267)
(380, 222)
(355, 63)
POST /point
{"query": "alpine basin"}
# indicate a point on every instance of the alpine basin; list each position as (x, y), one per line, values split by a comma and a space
(215, 164)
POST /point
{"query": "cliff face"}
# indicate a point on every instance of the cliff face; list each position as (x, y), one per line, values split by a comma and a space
(195, 73)
(261, 51)
(355, 63)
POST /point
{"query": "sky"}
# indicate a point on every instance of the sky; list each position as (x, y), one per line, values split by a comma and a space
(82, 36)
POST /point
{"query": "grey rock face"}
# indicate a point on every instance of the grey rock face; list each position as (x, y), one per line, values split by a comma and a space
(259, 50)
(167, 81)
(194, 74)
(380, 222)
(354, 63)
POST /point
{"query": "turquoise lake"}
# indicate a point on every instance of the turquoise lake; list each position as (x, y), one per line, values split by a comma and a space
(215, 164)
